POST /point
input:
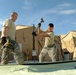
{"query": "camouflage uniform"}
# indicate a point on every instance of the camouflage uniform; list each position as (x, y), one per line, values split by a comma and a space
(15, 49)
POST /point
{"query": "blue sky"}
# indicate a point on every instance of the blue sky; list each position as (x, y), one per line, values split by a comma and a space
(62, 13)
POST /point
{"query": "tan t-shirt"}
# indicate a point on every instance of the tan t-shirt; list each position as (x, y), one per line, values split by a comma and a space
(11, 28)
(49, 40)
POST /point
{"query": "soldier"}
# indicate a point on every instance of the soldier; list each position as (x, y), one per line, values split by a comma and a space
(8, 30)
(49, 46)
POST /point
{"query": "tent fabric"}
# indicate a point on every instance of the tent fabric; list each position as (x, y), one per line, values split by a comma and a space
(36, 69)
(68, 41)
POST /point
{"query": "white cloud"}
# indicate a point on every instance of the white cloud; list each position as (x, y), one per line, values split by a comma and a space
(58, 10)
(67, 11)
(50, 11)
(26, 2)
(65, 5)
(27, 5)
(61, 9)
(26, 8)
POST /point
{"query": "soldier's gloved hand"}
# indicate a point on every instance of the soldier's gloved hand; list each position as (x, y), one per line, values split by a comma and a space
(34, 33)
(3, 40)
(39, 25)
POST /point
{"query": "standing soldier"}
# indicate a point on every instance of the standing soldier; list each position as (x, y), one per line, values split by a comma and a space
(8, 31)
(49, 46)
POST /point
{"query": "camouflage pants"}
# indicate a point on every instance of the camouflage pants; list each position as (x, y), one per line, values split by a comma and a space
(15, 49)
(51, 52)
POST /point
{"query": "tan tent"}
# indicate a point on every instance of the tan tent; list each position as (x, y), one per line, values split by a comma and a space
(25, 39)
(69, 43)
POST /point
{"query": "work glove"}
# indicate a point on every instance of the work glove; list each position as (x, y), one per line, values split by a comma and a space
(34, 33)
(3, 40)
(6, 42)
(39, 25)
